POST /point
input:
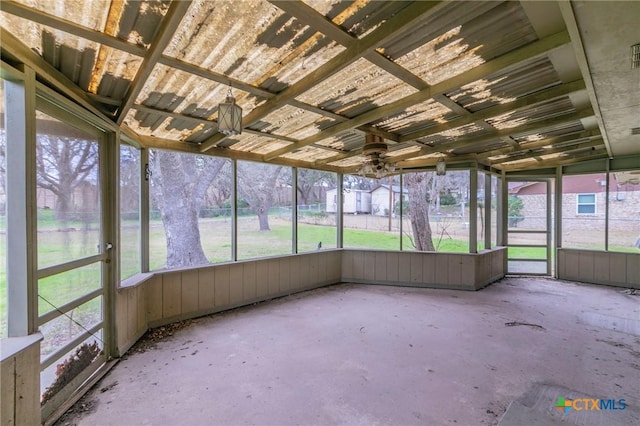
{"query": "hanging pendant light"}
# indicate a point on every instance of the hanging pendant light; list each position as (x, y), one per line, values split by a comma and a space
(229, 116)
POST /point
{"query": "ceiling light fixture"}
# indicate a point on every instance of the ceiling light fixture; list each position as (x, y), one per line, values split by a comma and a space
(376, 165)
(229, 116)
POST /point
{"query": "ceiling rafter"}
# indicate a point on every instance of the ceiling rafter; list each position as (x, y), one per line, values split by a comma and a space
(582, 136)
(168, 144)
(258, 91)
(430, 162)
(514, 57)
(104, 100)
(417, 160)
(47, 72)
(511, 153)
(592, 154)
(566, 9)
(341, 156)
(199, 120)
(564, 148)
(532, 127)
(356, 50)
(52, 21)
(165, 33)
(22, 11)
(116, 8)
(524, 101)
(308, 15)
(57, 51)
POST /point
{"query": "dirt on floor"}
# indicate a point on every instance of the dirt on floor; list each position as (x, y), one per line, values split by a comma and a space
(359, 354)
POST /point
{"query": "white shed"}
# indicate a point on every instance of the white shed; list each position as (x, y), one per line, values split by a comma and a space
(354, 201)
(380, 199)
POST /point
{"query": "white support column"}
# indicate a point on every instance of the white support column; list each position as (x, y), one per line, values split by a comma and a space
(339, 219)
(606, 211)
(473, 210)
(110, 191)
(503, 209)
(401, 208)
(557, 217)
(487, 211)
(22, 281)
(234, 210)
(145, 175)
(549, 225)
(294, 210)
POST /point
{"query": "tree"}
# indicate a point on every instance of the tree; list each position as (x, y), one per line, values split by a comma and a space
(178, 187)
(62, 165)
(514, 210)
(256, 185)
(359, 182)
(129, 183)
(219, 192)
(308, 181)
(418, 186)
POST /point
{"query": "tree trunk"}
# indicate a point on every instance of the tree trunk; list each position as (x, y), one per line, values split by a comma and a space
(263, 218)
(63, 205)
(179, 209)
(257, 186)
(417, 184)
(184, 247)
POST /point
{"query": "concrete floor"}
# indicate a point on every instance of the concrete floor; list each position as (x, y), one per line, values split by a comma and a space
(374, 355)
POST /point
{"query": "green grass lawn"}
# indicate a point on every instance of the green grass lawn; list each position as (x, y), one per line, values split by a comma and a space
(59, 244)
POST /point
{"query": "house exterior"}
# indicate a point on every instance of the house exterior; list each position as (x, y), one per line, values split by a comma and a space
(355, 201)
(380, 203)
(583, 201)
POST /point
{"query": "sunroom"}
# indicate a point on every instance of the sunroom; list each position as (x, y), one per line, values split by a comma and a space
(168, 160)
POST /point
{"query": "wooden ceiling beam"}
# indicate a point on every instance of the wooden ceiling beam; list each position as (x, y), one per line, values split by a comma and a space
(592, 154)
(151, 142)
(257, 91)
(46, 72)
(514, 57)
(23, 11)
(525, 101)
(525, 150)
(444, 147)
(496, 110)
(576, 137)
(566, 9)
(565, 147)
(163, 37)
(532, 127)
(429, 162)
(31, 14)
(339, 157)
(309, 16)
(495, 134)
(483, 157)
(207, 122)
(379, 36)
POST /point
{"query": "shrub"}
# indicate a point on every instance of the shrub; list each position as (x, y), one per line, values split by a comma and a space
(71, 367)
